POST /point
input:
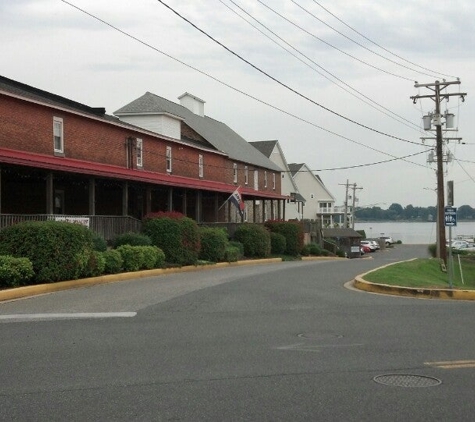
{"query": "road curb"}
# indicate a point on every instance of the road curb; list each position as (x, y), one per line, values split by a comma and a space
(39, 289)
(417, 292)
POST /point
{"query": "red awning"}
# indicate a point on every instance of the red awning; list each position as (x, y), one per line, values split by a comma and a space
(70, 165)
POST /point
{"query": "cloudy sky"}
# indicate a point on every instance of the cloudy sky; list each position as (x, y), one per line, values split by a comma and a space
(331, 80)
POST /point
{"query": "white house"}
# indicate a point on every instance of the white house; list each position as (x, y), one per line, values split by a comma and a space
(319, 202)
(294, 205)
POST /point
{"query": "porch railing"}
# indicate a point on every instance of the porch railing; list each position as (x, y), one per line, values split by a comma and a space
(108, 226)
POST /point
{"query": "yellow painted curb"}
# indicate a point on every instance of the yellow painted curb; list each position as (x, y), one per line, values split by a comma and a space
(417, 292)
(38, 289)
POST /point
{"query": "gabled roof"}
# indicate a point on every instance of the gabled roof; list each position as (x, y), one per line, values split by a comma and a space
(295, 168)
(266, 147)
(340, 233)
(222, 137)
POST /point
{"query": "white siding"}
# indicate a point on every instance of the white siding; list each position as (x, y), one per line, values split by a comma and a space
(161, 124)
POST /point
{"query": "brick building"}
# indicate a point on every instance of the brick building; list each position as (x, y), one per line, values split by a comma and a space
(60, 157)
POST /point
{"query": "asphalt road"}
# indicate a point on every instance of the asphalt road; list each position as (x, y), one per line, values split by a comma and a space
(279, 342)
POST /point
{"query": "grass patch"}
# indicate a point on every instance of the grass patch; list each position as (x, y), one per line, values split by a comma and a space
(425, 273)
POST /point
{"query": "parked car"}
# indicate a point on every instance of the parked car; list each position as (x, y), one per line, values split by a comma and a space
(462, 245)
(375, 244)
(388, 240)
(368, 244)
(365, 249)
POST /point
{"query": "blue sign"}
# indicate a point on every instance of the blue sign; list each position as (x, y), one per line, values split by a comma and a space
(450, 216)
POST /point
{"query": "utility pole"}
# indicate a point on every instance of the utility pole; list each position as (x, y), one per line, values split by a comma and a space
(353, 207)
(436, 120)
(353, 187)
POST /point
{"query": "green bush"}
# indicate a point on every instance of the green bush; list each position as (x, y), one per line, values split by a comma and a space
(99, 243)
(293, 233)
(232, 254)
(255, 238)
(314, 249)
(137, 258)
(15, 272)
(130, 238)
(239, 246)
(95, 265)
(340, 253)
(305, 250)
(178, 238)
(278, 243)
(213, 243)
(432, 249)
(113, 261)
(57, 250)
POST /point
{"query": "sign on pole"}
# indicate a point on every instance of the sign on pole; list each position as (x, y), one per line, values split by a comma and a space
(450, 216)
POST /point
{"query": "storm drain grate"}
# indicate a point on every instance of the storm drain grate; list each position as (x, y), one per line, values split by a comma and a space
(404, 380)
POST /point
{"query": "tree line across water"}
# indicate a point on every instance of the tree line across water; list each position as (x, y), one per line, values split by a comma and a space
(396, 212)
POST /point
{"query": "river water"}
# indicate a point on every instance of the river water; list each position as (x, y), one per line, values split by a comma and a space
(413, 233)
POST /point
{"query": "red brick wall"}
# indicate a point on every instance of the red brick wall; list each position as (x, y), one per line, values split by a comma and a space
(29, 127)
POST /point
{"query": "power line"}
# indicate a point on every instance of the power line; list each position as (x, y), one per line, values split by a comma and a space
(359, 44)
(282, 83)
(376, 44)
(390, 113)
(234, 88)
(331, 45)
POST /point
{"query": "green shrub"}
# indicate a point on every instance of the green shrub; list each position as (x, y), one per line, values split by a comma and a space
(132, 257)
(133, 239)
(239, 246)
(137, 258)
(293, 233)
(95, 265)
(305, 250)
(213, 243)
(113, 261)
(57, 250)
(314, 249)
(255, 239)
(340, 253)
(432, 249)
(278, 243)
(15, 272)
(177, 237)
(99, 243)
(325, 252)
(232, 254)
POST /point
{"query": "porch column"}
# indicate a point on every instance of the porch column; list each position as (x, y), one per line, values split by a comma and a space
(125, 199)
(272, 210)
(283, 208)
(170, 199)
(198, 206)
(216, 207)
(92, 196)
(148, 200)
(49, 193)
(183, 204)
(264, 211)
(254, 211)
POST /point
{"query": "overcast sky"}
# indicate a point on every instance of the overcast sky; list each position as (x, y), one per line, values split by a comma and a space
(53, 46)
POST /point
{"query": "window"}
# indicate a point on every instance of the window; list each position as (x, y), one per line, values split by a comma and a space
(139, 152)
(169, 159)
(235, 176)
(200, 165)
(256, 180)
(265, 179)
(273, 181)
(246, 175)
(58, 139)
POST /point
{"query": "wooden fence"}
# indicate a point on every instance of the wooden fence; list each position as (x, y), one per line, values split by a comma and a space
(104, 225)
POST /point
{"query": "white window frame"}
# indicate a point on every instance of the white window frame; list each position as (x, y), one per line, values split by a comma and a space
(168, 159)
(273, 181)
(139, 152)
(58, 123)
(200, 166)
(235, 173)
(256, 179)
(265, 178)
(246, 175)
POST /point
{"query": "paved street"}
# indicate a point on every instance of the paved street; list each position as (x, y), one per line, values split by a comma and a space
(274, 342)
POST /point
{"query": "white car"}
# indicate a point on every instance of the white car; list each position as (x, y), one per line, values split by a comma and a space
(369, 244)
(388, 240)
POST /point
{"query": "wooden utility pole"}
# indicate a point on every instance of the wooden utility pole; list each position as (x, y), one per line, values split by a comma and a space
(353, 206)
(436, 120)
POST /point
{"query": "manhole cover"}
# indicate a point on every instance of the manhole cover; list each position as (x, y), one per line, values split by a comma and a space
(313, 336)
(404, 380)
